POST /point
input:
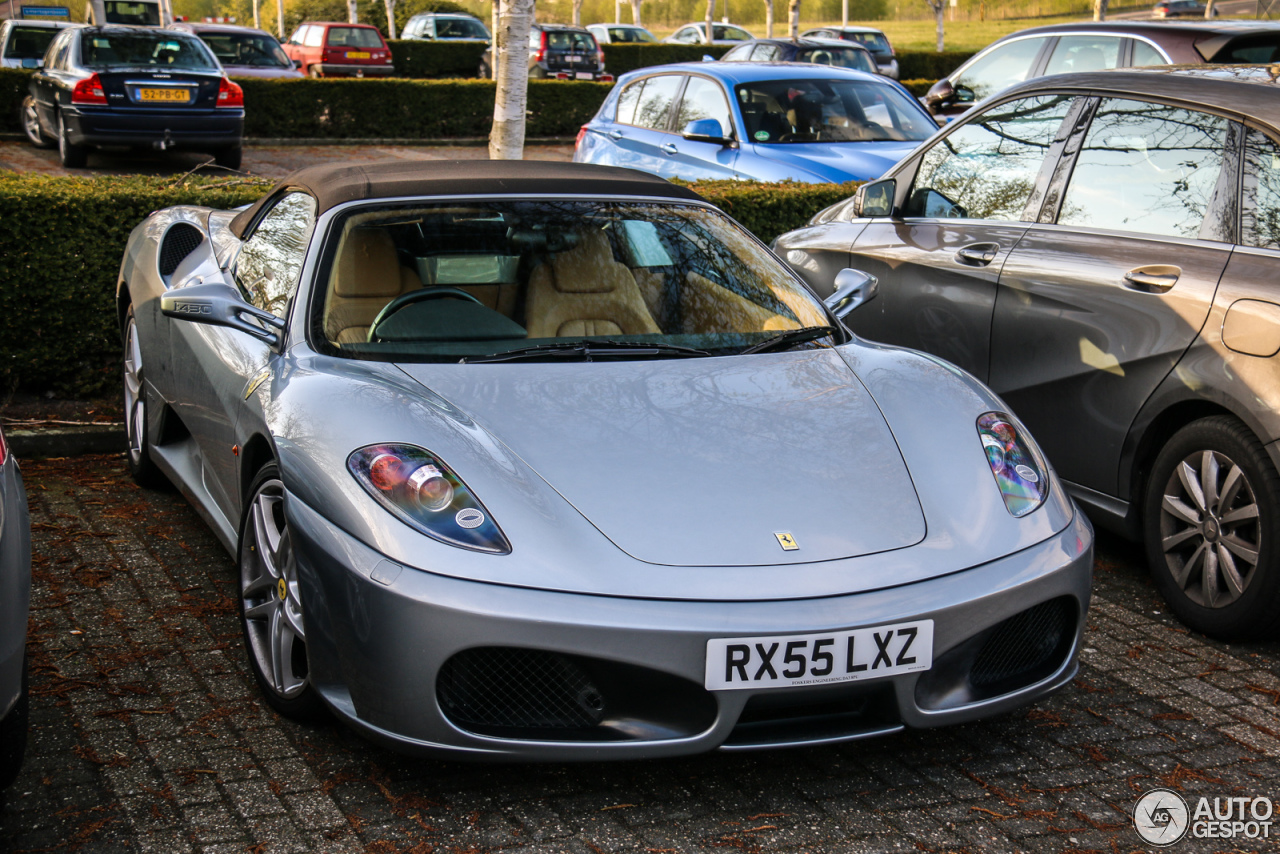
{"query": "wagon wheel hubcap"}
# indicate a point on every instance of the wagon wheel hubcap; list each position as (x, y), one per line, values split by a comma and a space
(1209, 529)
(269, 594)
(135, 408)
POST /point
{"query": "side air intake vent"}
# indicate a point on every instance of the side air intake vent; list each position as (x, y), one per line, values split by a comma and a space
(179, 242)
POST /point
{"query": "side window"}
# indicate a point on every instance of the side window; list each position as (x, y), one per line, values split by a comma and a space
(296, 38)
(627, 103)
(987, 169)
(737, 54)
(703, 99)
(655, 101)
(686, 36)
(1084, 53)
(314, 37)
(1001, 68)
(1145, 54)
(1260, 217)
(766, 53)
(270, 263)
(1144, 167)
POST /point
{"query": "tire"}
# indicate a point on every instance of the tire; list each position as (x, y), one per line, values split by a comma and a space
(72, 156)
(141, 466)
(1211, 525)
(271, 602)
(230, 157)
(13, 735)
(313, 72)
(30, 121)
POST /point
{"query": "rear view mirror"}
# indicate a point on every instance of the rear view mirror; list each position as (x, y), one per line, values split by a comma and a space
(853, 288)
(219, 304)
(940, 95)
(705, 130)
(875, 199)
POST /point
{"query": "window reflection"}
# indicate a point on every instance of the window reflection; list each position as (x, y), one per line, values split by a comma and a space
(269, 266)
(1260, 219)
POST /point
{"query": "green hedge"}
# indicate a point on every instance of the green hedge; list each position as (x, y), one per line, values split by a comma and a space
(408, 109)
(416, 58)
(928, 64)
(63, 239)
(918, 87)
(621, 58)
(13, 88)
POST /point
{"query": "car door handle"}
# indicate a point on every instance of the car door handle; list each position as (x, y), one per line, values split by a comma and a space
(1153, 278)
(616, 134)
(978, 254)
(669, 148)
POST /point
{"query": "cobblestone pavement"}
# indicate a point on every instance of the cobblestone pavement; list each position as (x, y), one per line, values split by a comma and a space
(260, 160)
(148, 734)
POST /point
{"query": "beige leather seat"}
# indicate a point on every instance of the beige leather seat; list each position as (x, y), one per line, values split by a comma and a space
(367, 276)
(584, 292)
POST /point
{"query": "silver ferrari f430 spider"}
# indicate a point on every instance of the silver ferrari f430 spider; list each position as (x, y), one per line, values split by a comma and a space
(553, 461)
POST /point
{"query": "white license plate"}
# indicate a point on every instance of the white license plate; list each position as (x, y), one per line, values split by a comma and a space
(585, 75)
(785, 661)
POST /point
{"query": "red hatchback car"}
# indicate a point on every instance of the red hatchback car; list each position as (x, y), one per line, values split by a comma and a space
(328, 49)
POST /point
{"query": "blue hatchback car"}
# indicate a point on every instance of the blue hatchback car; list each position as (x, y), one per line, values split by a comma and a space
(757, 121)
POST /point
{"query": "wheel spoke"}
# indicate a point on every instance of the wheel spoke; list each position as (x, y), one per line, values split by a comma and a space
(1240, 514)
(294, 619)
(1230, 486)
(263, 582)
(266, 533)
(1181, 574)
(264, 611)
(1231, 575)
(1209, 478)
(1242, 550)
(1174, 540)
(1209, 578)
(276, 641)
(1190, 483)
(1174, 506)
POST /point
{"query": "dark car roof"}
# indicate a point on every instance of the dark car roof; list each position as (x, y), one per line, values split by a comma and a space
(1249, 90)
(1156, 28)
(201, 29)
(810, 42)
(336, 184)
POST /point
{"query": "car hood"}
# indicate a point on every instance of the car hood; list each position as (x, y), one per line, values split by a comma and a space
(703, 462)
(836, 161)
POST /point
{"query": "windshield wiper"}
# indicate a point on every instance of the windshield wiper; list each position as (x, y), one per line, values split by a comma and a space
(586, 349)
(791, 336)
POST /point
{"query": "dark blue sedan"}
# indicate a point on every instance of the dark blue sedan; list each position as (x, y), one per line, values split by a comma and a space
(758, 121)
(133, 86)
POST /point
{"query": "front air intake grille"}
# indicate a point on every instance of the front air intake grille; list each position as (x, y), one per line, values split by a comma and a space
(1027, 646)
(509, 688)
(179, 242)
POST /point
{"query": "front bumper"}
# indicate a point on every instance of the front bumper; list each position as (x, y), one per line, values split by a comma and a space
(207, 130)
(378, 635)
(15, 582)
(337, 69)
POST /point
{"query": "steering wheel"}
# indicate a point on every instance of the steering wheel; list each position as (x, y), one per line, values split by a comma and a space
(429, 292)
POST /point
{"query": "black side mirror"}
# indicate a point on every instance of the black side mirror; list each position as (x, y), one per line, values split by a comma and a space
(875, 199)
(219, 304)
(941, 94)
(853, 288)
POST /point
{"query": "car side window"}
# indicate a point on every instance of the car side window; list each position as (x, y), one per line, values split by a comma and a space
(1005, 65)
(703, 99)
(627, 102)
(314, 37)
(766, 53)
(1145, 167)
(1260, 214)
(987, 168)
(1084, 53)
(686, 36)
(737, 54)
(269, 265)
(1145, 54)
(654, 106)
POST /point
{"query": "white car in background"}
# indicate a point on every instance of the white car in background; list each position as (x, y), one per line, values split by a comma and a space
(23, 43)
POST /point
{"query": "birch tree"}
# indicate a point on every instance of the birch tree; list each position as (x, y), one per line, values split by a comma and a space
(280, 18)
(793, 19)
(1208, 8)
(257, 19)
(352, 16)
(511, 75)
(768, 19)
(635, 13)
(577, 13)
(1100, 9)
(711, 21)
(938, 7)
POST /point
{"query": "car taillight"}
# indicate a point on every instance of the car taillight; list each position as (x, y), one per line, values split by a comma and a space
(325, 56)
(542, 49)
(582, 131)
(600, 56)
(230, 94)
(89, 91)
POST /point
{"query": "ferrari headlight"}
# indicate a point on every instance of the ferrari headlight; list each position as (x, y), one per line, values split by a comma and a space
(422, 491)
(1020, 474)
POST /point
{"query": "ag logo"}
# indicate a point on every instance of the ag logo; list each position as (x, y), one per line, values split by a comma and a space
(1161, 817)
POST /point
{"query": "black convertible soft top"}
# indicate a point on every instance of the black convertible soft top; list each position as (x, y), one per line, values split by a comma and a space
(337, 184)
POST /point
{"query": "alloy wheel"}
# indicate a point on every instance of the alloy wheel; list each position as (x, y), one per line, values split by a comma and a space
(1210, 530)
(135, 406)
(270, 600)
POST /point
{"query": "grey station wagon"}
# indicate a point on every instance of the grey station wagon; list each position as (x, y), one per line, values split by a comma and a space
(1103, 250)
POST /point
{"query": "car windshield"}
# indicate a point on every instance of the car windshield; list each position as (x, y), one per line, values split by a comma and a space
(570, 40)
(727, 33)
(796, 111)
(1251, 50)
(138, 48)
(460, 28)
(840, 57)
(550, 279)
(629, 34)
(874, 42)
(29, 42)
(354, 37)
(138, 14)
(258, 50)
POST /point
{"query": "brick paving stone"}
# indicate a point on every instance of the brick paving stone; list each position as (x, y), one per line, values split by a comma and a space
(148, 733)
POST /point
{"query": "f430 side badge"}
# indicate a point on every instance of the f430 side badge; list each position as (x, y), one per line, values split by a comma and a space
(787, 541)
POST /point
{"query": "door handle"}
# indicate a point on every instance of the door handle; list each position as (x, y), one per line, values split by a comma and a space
(1153, 278)
(669, 148)
(978, 254)
(616, 134)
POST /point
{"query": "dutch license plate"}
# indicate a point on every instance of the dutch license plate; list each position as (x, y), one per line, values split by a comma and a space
(790, 660)
(180, 95)
(585, 75)
(358, 54)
